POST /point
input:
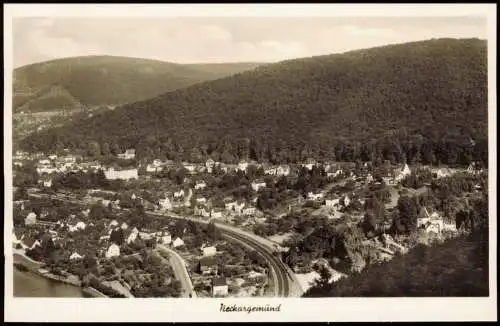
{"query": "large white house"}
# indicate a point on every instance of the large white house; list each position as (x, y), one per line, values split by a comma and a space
(113, 251)
(30, 219)
(209, 251)
(112, 174)
(178, 242)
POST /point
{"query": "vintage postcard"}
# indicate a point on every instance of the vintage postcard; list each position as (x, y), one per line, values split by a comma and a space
(250, 162)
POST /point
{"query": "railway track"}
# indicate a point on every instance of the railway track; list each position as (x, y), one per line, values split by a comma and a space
(282, 277)
(281, 280)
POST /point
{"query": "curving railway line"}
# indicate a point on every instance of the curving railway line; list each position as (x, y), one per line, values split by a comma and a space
(284, 281)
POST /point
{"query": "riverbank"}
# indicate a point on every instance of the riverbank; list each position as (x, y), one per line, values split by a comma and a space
(31, 266)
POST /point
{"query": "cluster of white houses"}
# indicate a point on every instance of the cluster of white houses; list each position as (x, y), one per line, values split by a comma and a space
(68, 162)
(73, 224)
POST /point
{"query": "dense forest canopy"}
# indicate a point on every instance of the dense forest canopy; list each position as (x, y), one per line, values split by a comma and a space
(110, 80)
(416, 102)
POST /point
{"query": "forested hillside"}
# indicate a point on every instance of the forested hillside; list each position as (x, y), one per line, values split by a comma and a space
(457, 267)
(101, 80)
(420, 102)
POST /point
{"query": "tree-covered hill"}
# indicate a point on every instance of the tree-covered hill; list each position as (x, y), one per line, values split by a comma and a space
(421, 101)
(101, 80)
(50, 98)
(458, 267)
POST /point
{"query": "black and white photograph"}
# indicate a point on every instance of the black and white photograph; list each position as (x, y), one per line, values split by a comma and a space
(243, 160)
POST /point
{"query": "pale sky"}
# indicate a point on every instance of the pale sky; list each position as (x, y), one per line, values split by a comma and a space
(211, 39)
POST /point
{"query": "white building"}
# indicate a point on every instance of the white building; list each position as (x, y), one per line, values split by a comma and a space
(256, 185)
(166, 204)
(405, 171)
(113, 224)
(156, 166)
(190, 167)
(235, 207)
(249, 211)
(124, 226)
(30, 219)
(178, 242)
(166, 239)
(200, 185)
(47, 182)
(309, 164)
(201, 200)
(179, 194)
(75, 256)
(132, 236)
(113, 251)
(443, 173)
(46, 169)
(78, 226)
(70, 159)
(112, 174)
(430, 222)
(209, 164)
(219, 287)
(331, 203)
(201, 211)
(209, 251)
(315, 196)
(283, 170)
(216, 214)
(146, 236)
(242, 166)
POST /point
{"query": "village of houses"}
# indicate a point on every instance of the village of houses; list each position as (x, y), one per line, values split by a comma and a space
(214, 266)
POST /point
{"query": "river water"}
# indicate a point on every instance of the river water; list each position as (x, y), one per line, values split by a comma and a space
(27, 284)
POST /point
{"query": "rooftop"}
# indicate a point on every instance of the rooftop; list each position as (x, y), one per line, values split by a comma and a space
(207, 261)
(219, 281)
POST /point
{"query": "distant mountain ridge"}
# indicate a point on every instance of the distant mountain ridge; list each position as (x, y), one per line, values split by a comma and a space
(109, 80)
(419, 101)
